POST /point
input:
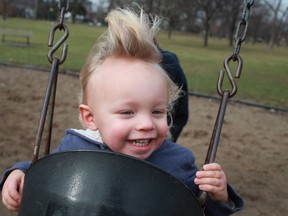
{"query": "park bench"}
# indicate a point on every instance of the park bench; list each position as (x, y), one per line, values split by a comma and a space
(4, 32)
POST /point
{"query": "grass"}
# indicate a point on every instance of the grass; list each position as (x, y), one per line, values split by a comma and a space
(264, 77)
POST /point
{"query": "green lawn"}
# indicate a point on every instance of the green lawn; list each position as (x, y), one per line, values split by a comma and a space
(264, 76)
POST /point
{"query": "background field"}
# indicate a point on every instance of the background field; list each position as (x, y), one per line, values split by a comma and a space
(263, 80)
(254, 142)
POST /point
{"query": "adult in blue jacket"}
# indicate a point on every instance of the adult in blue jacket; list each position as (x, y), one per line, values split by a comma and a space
(180, 113)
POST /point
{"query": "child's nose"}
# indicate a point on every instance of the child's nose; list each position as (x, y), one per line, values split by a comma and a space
(145, 123)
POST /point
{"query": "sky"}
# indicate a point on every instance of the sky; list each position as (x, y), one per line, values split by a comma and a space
(96, 3)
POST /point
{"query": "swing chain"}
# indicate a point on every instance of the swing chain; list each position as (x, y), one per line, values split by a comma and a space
(240, 37)
(242, 27)
(61, 26)
(63, 9)
(226, 94)
(49, 100)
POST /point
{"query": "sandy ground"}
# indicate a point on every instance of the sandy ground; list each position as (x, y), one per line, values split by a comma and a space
(253, 146)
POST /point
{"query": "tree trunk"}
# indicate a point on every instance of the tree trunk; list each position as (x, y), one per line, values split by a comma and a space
(206, 33)
(5, 6)
(36, 2)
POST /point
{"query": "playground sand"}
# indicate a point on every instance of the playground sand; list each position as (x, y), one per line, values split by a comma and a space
(252, 150)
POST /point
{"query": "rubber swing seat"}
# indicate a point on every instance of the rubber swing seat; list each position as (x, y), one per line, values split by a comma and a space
(98, 183)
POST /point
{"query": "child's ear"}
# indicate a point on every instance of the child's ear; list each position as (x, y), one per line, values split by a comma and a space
(87, 117)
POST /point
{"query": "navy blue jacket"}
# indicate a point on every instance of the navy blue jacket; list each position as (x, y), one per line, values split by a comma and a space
(170, 63)
(170, 157)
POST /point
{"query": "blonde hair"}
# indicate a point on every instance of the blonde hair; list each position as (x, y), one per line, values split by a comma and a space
(129, 34)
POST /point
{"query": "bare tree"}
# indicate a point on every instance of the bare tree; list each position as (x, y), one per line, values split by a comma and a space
(121, 3)
(36, 6)
(230, 15)
(258, 27)
(282, 27)
(207, 12)
(172, 10)
(5, 5)
(77, 8)
(275, 9)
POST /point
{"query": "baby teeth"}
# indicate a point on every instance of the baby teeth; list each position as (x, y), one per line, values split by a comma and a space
(140, 143)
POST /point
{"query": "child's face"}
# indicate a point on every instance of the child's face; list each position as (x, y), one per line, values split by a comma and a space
(127, 100)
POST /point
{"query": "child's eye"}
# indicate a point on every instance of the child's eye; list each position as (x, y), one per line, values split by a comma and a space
(158, 112)
(128, 112)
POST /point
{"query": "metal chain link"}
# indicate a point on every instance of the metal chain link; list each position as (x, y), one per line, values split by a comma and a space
(59, 26)
(49, 101)
(240, 37)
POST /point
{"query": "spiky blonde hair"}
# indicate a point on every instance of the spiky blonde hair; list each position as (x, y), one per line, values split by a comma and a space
(129, 34)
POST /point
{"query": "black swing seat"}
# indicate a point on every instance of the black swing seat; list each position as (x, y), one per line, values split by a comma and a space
(86, 183)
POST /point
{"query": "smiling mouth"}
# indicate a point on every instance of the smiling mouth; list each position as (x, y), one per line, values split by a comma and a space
(140, 143)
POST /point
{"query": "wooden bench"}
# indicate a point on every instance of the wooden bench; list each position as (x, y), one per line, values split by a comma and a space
(4, 32)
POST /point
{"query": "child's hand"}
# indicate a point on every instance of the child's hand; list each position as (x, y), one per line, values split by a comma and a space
(12, 190)
(213, 180)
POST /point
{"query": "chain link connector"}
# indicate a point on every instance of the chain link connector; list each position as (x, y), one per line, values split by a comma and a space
(231, 79)
(59, 43)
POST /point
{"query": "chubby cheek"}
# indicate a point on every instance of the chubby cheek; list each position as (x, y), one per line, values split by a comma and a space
(115, 135)
(163, 129)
